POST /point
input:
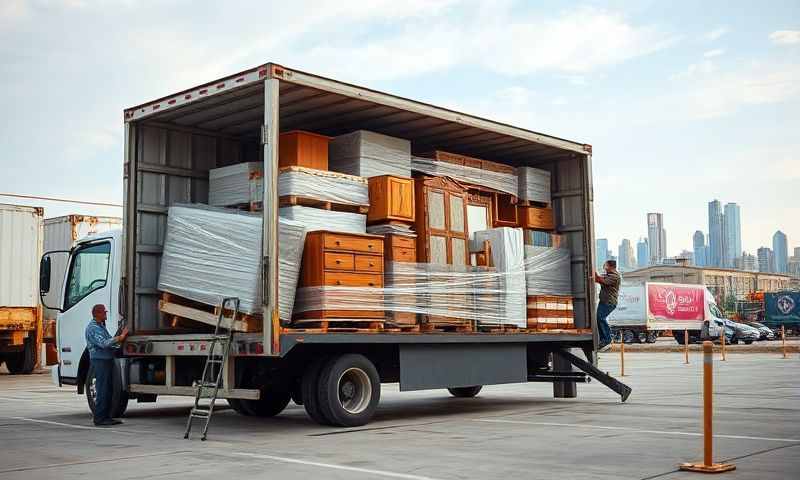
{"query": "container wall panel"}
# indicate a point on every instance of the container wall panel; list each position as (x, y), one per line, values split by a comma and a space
(21, 243)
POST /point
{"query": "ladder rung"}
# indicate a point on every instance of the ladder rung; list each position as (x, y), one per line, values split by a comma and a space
(196, 412)
(206, 385)
(214, 360)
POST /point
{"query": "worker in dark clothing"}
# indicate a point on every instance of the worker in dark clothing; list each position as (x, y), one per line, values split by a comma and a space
(101, 347)
(609, 291)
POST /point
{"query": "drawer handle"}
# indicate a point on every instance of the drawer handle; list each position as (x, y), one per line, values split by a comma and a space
(338, 242)
(371, 264)
(338, 282)
(371, 284)
(338, 262)
(369, 246)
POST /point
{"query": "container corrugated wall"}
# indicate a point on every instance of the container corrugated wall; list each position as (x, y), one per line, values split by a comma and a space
(60, 233)
(21, 241)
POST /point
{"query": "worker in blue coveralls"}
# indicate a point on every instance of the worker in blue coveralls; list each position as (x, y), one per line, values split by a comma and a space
(101, 347)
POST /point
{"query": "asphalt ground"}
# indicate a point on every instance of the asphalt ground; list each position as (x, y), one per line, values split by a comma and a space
(508, 431)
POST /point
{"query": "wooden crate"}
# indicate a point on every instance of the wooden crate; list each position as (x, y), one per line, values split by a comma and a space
(182, 311)
(391, 199)
(537, 218)
(303, 149)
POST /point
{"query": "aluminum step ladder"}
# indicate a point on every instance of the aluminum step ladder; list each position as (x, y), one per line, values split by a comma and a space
(216, 360)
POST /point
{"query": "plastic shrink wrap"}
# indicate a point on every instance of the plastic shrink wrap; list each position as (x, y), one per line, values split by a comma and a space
(370, 154)
(235, 184)
(464, 292)
(317, 219)
(210, 253)
(534, 184)
(547, 271)
(508, 257)
(503, 182)
(323, 185)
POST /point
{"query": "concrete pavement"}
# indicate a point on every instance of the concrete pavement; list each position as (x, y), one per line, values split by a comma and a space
(508, 431)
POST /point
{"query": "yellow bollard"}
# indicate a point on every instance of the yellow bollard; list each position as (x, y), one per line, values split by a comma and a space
(622, 356)
(722, 340)
(686, 346)
(783, 339)
(708, 465)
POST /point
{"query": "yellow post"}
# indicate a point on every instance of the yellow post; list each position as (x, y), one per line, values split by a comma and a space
(783, 339)
(722, 339)
(686, 346)
(622, 355)
(708, 465)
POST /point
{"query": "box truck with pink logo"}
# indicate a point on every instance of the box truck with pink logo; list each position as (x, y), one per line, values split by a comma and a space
(646, 310)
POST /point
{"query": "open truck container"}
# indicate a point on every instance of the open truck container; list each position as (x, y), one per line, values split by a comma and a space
(170, 145)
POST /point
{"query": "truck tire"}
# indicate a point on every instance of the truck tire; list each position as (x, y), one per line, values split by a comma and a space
(628, 336)
(271, 404)
(22, 363)
(119, 397)
(349, 390)
(465, 392)
(748, 342)
(309, 391)
(652, 337)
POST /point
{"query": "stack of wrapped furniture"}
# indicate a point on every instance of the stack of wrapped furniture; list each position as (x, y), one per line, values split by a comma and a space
(549, 287)
(210, 253)
(323, 189)
(508, 257)
(319, 219)
(239, 185)
(370, 154)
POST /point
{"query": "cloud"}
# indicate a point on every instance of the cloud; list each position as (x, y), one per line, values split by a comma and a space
(495, 37)
(785, 37)
(714, 53)
(716, 34)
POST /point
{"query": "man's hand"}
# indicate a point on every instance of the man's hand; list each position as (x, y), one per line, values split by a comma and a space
(598, 278)
(123, 334)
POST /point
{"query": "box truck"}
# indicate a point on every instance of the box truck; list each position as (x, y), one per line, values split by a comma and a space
(645, 311)
(21, 330)
(170, 145)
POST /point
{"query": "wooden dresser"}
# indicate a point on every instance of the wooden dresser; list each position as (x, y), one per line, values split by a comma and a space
(337, 259)
(400, 248)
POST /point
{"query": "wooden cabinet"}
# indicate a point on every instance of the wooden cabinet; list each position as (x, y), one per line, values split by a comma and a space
(399, 248)
(391, 199)
(303, 149)
(505, 210)
(441, 221)
(537, 218)
(336, 259)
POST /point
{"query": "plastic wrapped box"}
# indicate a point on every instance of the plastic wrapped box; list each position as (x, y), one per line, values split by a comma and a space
(323, 185)
(503, 182)
(508, 256)
(369, 154)
(534, 184)
(547, 271)
(317, 219)
(210, 253)
(238, 184)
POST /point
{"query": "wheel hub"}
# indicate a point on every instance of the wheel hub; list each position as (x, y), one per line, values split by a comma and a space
(355, 390)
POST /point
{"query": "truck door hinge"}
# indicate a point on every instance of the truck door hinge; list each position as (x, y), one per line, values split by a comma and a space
(264, 134)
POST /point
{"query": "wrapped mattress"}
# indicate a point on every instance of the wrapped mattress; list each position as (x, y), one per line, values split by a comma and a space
(370, 154)
(509, 259)
(548, 271)
(210, 253)
(317, 219)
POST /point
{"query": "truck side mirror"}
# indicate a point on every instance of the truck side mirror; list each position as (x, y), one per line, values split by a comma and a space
(44, 274)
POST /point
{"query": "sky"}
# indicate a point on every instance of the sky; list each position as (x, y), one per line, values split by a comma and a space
(683, 102)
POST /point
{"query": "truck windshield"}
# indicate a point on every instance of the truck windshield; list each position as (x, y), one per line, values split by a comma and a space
(87, 272)
(715, 311)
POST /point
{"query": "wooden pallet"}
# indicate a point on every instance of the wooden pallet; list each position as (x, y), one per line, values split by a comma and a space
(335, 325)
(181, 312)
(500, 329)
(292, 200)
(401, 328)
(430, 327)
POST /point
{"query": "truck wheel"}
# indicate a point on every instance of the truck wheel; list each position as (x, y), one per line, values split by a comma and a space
(652, 337)
(748, 342)
(465, 392)
(628, 336)
(119, 397)
(22, 363)
(269, 405)
(309, 391)
(734, 341)
(349, 389)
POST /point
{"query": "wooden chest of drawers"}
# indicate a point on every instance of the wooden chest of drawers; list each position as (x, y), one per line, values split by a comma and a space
(400, 248)
(537, 218)
(336, 259)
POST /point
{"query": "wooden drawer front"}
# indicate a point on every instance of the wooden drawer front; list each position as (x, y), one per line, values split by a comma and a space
(342, 279)
(402, 241)
(369, 263)
(540, 218)
(404, 254)
(353, 244)
(339, 261)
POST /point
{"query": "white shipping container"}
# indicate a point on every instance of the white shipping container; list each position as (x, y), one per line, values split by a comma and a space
(60, 233)
(21, 241)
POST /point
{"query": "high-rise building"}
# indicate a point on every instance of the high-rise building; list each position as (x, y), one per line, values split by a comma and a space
(797, 253)
(780, 249)
(626, 261)
(656, 237)
(732, 234)
(601, 247)
(715, 237)
(642, 253)
(766, 261)
(747, 262)
(699, 246)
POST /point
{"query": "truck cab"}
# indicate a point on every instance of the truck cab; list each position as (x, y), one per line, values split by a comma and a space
(92, 276)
